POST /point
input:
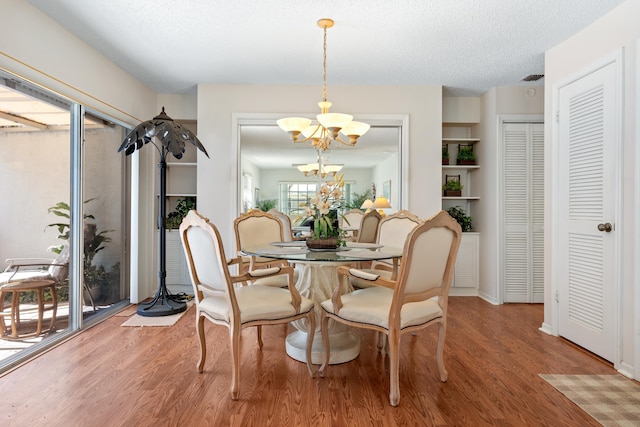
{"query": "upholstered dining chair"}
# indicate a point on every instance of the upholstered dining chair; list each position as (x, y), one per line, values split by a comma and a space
(369, 227)
(416, 300)
(287, 232)
(259, 228)
(219, 300)
(392, 231)
(352, 219)
(32, 274)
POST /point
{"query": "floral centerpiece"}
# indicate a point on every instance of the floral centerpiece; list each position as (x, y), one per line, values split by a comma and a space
(322, 209)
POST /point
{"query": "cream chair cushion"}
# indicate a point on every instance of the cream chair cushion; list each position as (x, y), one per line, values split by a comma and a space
(371, 306)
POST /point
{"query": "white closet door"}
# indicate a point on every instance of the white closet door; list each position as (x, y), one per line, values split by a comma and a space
(523, 209)
(588, 199)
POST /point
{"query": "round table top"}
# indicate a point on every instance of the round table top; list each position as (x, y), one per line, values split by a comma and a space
(297, 251)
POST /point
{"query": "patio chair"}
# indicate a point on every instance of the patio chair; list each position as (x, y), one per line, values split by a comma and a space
(31, 275)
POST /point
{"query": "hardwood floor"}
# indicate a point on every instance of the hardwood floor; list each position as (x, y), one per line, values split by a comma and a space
(122, 376)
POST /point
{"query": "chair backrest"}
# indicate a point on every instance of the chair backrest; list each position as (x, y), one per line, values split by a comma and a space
(257, 228)
(287, 232)
(428, 261)
(394, 229)
(205, 255)
(352, 218)
(369, 227)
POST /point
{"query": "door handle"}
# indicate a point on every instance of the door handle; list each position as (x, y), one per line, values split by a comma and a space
(605, 227)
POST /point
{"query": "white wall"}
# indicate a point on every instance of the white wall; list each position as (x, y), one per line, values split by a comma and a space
(388, 171)
(617, 30)
(217, 104)
(38, 163)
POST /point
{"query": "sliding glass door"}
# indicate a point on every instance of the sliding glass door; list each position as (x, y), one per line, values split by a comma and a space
(65, 198)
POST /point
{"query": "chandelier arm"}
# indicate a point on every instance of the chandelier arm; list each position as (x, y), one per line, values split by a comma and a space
(350, 143)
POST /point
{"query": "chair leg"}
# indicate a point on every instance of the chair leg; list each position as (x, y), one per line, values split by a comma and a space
(324, 328)
(40, 298)
(234, 332)
(394, 367)
(311, 332)
(383, 344)
(442, 329)
(54, 307)
(3, 332)
(15, 313)
(203, 345)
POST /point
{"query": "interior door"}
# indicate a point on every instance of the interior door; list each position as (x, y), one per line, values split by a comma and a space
(587, 123)
(523, 212)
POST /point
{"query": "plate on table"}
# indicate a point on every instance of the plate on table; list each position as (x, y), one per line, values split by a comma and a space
(363, 245)
(295, 243)
(329, 249)
(365, 254)
(281, 251)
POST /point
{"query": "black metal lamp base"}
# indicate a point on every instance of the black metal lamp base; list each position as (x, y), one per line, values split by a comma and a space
(164, 304)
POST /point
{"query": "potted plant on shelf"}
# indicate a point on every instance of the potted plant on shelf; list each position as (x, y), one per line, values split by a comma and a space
(445, 154)
(466, 156)
(174, 219)
(461, 216)
(452, 188)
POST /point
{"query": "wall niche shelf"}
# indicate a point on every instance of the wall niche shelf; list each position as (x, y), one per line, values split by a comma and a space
(454, 135)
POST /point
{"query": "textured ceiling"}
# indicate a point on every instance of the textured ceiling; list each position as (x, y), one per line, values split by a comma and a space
(468, 46)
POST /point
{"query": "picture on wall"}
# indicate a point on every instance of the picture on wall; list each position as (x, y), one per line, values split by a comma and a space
(386, 189)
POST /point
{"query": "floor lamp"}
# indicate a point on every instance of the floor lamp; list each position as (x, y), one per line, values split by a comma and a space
(172, 137)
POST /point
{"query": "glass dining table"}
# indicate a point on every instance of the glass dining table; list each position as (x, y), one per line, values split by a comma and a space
(317, 279)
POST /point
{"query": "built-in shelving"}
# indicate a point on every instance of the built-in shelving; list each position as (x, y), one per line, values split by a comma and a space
(466, 275)
(460, 140)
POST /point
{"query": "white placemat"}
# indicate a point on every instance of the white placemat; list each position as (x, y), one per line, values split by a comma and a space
(369, 254)
(281, 251)
(363, 245)
(295, 243)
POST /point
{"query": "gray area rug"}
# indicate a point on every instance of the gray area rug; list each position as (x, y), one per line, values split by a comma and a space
(612, 400)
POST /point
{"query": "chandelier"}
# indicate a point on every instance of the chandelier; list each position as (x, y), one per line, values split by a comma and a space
(329, 125)
(319, 169)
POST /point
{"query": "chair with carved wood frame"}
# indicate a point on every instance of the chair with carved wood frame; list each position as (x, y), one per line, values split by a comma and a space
(219, 299)
(392, 231)
(287, 232)
(256, 228)
(416, 300)
(353, 220)
(369, 227)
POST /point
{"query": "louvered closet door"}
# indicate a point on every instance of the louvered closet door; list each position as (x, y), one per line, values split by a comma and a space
(587, 158)
(523, 196)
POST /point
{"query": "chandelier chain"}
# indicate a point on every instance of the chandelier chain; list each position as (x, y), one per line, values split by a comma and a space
(324, 67)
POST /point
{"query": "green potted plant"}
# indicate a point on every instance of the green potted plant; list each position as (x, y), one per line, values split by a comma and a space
(452, 188)
(466, 156)
(461, 216)
(174, 219)
(96, 277)
(445, 154)
(357, 199)
(267, 204)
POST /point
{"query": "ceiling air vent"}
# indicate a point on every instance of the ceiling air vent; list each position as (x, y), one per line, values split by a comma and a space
(533, 77)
